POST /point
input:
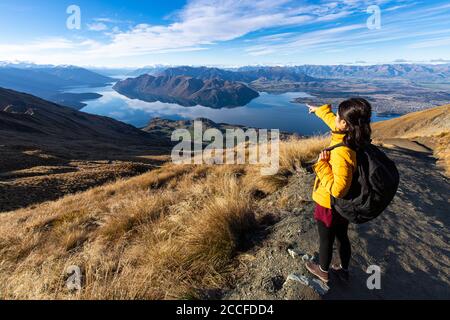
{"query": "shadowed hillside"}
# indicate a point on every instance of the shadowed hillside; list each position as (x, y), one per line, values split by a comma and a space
(171, 233)
(49, 150)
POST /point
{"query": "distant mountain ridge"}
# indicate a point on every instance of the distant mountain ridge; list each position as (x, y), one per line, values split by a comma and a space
(418, 72)
(304, 73)
(151, 70)
(186, 90)
(269, 73)
(49, 82)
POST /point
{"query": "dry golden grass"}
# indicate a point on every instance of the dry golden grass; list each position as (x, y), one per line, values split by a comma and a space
(168, 234)
(294, 154)
(442, 151)
(429, 122)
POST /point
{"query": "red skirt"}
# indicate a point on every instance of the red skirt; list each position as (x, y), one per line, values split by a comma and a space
(328, 216)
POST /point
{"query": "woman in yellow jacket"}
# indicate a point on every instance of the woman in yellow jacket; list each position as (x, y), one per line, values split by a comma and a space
(350, 128)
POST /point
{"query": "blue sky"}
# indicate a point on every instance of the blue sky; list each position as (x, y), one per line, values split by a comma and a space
(224, 33)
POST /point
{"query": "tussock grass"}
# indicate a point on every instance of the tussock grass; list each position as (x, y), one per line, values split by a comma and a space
(172, 233)
(442, 151)
(295, 154)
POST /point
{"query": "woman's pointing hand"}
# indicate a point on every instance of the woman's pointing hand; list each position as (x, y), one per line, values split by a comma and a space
(312, 109)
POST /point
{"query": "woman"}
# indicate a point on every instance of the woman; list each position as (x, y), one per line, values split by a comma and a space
(334, 170)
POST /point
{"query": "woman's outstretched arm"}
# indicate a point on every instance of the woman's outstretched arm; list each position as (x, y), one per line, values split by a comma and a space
(324, 112)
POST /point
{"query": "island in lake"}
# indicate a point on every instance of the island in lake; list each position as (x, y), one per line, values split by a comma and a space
(187, 91)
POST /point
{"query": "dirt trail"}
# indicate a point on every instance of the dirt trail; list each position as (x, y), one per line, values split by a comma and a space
(410, 241)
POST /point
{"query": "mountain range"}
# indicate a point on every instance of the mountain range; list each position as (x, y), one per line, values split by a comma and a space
(244, 75)
(416, 72)
(393, 88)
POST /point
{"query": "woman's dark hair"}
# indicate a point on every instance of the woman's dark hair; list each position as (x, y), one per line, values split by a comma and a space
(357, 112)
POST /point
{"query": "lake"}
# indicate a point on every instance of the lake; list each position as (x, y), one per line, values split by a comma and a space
(270, 111)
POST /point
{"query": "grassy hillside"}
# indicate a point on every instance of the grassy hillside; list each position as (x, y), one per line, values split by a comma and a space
(430, 122)
(429, 128)
(171, 233)
(174, 232)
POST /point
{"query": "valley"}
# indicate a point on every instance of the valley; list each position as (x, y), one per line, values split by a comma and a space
(386, 96)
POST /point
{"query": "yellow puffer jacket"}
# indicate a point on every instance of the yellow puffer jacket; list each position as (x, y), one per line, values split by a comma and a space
(333, 177)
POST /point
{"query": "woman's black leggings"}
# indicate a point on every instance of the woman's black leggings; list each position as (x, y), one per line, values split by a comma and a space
(327, 236)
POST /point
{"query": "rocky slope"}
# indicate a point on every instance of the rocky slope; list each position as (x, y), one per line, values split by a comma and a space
(248, 244)
(409, 241)
(426, 123)
(187, 91)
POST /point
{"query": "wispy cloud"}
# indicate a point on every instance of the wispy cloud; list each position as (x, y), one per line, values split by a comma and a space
(263, 27)
(436, 42)
(42, 44)
(204, 23)
(111, 20)
(305, 41)
(403, 26)
(98, 26)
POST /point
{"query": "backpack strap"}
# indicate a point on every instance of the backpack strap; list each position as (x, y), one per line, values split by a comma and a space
(334, 147)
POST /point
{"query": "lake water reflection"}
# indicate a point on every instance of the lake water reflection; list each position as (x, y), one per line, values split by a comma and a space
(271, 111)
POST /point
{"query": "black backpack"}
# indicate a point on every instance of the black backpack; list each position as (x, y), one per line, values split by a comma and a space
(374, 185)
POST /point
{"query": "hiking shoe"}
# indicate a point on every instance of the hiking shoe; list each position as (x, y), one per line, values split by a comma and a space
(316, 270)
(340, 272)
